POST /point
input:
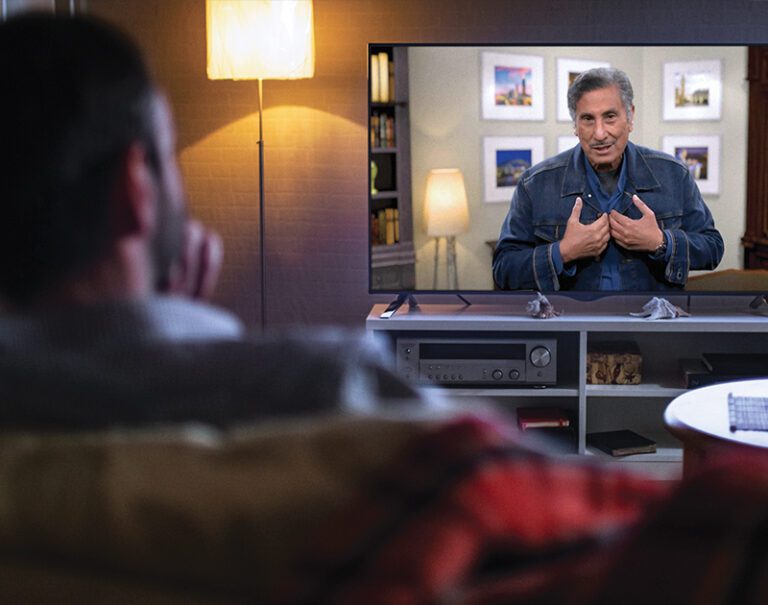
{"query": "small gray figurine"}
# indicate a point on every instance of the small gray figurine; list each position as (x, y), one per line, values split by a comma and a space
(541, 308)
(660, 308)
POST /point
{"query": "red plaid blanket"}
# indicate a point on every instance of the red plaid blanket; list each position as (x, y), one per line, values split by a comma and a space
(467, 515)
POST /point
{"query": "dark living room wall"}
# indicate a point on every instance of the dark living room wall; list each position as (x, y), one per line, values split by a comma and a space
(316, 132)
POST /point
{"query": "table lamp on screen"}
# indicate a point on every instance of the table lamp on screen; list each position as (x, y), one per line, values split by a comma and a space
(446, 215)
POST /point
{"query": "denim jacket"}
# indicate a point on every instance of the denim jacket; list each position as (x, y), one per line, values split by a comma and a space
(543, 201)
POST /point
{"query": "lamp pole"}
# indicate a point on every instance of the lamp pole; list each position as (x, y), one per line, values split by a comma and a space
(262, 246)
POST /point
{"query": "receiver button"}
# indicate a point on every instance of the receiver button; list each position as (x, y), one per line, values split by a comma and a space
(514, 374)
(497, 374)
(541, 357)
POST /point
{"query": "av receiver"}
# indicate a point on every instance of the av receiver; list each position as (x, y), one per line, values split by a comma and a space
(482, 362)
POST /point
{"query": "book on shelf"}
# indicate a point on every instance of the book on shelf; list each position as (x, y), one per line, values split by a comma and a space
(382, 130)
(382, 216)
(622, 442)
(389, 213)
(389, 131)
(384, 77)
(385, 227)
(542, 417)
(392, 81)
(374, 229)
(375, 130)
(375, 92)
(397, 225)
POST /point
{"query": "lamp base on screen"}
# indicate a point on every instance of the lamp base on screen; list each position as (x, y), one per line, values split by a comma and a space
(450, 263)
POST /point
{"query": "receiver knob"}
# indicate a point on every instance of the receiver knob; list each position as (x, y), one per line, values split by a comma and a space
(497, 374)
(541, 357)
(514, 374)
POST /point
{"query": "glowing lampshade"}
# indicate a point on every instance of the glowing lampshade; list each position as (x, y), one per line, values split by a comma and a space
(446, 212)
(260, 39)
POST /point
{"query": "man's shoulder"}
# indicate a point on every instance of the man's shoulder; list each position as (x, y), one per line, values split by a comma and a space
(117, 323)
(176, 318)
(219, 382)
(550, 167)
(655, 156)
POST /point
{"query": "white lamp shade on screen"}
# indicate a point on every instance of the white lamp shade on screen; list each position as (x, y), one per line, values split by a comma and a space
(446, 211)
(446, 215)
(260, 39)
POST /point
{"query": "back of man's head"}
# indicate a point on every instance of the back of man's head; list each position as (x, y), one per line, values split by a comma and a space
(75, 94)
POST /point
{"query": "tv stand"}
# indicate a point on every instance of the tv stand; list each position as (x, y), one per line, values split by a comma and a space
(662, 344)
(758, 300)
(397, 303)
(464, 300)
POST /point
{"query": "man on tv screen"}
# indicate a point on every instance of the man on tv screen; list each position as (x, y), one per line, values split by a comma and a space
(607, 214)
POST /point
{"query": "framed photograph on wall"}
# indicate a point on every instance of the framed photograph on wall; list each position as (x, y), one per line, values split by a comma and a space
(693, 90)
(566, 142)
(701, 154)
(504, 161)
(567, 70)
(512, 87)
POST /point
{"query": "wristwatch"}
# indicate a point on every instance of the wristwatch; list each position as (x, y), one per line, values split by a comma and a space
(662, 247)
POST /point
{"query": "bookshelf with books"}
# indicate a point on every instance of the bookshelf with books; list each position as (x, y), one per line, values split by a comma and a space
(391, 236)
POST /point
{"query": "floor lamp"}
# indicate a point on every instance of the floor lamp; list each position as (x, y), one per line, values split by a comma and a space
(446, 214)
(260, 40)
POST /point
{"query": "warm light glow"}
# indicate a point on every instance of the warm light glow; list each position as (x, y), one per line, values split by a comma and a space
(446, 211)
(260, 39)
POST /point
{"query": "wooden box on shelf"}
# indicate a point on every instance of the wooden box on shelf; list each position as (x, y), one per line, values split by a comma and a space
(614, 363)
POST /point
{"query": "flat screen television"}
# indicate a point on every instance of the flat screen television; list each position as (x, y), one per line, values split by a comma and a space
(487, 113)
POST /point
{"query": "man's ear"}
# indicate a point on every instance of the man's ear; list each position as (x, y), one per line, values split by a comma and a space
(135, 196)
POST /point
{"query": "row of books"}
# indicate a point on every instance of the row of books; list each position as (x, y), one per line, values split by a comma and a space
(382, 78)
(385, 226)
(622, 442)
(382, 130)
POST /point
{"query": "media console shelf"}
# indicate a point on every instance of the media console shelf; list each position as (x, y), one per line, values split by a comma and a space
(662, 345)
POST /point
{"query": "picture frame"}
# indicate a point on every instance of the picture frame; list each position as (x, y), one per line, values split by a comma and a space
(567, 70)
(504, 161)
(702, 156)
(566, 142)
(512, 87)
(693, 90)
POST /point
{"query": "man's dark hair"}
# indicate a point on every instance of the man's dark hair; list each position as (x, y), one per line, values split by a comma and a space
(75, 94)
(597, 78)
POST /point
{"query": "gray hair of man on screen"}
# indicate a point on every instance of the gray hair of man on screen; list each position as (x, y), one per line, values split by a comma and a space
(596, 79)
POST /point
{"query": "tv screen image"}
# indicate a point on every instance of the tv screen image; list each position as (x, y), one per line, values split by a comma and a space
(486, 114)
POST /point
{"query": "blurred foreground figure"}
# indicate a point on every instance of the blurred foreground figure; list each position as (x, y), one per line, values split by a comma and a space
(100, 264)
